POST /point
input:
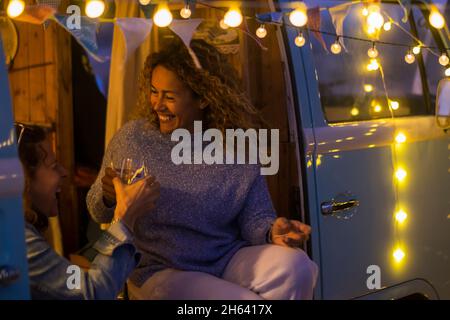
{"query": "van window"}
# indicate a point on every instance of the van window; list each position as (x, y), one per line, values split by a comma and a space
(351, 92)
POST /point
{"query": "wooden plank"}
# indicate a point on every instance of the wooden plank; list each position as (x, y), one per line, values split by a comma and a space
(51, 94)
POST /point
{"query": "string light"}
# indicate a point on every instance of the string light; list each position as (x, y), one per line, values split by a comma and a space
(375, 19)
(398, 254)
(409, 57)
(416, 50)
(377, 108)
(186, 12)
(163, 16)
(387, 26)
(299, 16)
(144, 2)
(94, 8)
(400, 174)
(223, 25)
(436, 19)
(400, 138)
(400, 216)
(443, 59)
(354, 112)
(373, 65)
(300, 40)
(447, 72)
(261, 32)
(368, 88)
(233, 18)
(336, 47)
(365, 11)
(394, 104)
(372, 52)
(15, 8)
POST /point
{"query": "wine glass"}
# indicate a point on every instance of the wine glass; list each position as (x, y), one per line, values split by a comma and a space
(130, 170)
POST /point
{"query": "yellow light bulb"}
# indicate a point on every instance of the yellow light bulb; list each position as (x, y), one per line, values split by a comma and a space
(372, 52)
(377, 108)
(436, 19)
(387, 26)
(365, 12)
(400, 216)
(394, 105)
(299, 16)
(185, 12)
(300, 40)
(233, 18)
(416, 50)
(375, 19)
(368, 88)
(223, 25)
(443, 60)
(371, 30)
(398, 254)
(373, 65)
(336, 48)
(400, 174)
(400, 138)
(354, 112)
(261, 32)
(15, 8)
(163, 17)
(144, 2)
(447, 72)
(409, 58)
(94, 8)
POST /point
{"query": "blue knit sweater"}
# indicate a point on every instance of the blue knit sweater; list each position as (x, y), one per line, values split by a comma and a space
(204, 215)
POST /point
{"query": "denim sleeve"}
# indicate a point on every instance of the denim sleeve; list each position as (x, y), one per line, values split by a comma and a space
(54, 277)
(258, 213)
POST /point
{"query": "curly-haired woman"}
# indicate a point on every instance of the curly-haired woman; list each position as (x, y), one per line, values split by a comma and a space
(213, 233)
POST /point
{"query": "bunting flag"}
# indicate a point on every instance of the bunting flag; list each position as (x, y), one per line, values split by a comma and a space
(36, 14)
(314, 23)
(51, 3)
(134, 31)
(86, 36)
(338, 15)
(185, 30)
(270, 17)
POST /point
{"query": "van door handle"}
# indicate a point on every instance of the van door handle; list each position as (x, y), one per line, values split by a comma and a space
(331, 207)
(8, 275)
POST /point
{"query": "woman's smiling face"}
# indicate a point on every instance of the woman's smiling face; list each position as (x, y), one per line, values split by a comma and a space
(173, 101)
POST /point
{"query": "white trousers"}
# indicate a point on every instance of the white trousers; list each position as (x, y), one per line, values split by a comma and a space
(258, 272)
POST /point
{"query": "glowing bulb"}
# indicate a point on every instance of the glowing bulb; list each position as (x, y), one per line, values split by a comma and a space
(416, 50)
(185, 12)
(336, 47)
(400, 216)
(400, 138)
(300, 40)
(365, 12)
(368, 88)
(443, 59)
(400, 174)
(447, 72)
(373, 65)
(354, 112)
(377, 108)
(233, 18)
(375, 19)
(436, 19)
(299, 16)
(261, 32)
(15, 8)
(371, 30)
(223, 25)
(409, 58)
(398, 255)
(394, 105)
(372, 52)
(94, 8)
(387, 26)
(162, 17)
(144, 2)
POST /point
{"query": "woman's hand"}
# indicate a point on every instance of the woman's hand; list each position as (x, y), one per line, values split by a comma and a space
(135, 199)
(109, 193)
(289, 233)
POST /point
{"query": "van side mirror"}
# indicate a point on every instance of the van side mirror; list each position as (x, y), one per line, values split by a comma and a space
(443, 104)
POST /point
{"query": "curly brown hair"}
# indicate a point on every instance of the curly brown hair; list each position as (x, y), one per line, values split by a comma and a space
(216, 82)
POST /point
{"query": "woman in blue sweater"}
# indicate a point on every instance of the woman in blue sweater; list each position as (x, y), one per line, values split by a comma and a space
(213, 233)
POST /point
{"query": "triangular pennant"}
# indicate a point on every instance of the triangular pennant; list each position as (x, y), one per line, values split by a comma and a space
(86, 36)
(134, 31)
(314, 25)
(185, 29)
(36, 14)
(52, 3)
(338, 15)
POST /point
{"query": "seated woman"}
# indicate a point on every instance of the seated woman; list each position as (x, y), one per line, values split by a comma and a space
(214, 233)
(117, 256)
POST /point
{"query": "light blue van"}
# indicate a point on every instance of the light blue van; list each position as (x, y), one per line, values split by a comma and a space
(375, 188)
